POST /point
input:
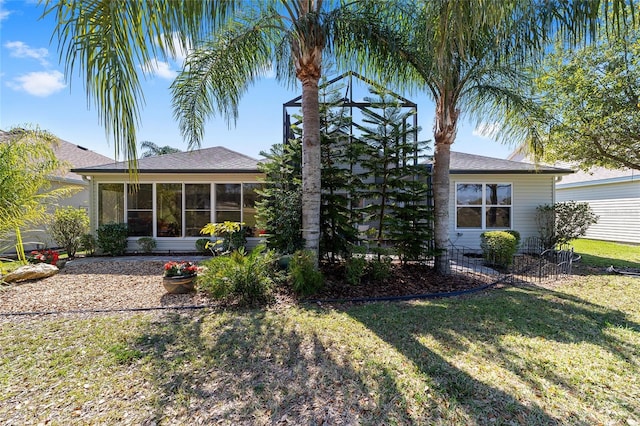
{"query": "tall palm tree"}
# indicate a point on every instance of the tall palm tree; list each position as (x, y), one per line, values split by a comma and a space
(153, 150)
(470, 57)
(105, 39)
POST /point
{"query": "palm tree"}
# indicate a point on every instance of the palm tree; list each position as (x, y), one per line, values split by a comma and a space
(470, 57)
(153, 150)
(228, 56)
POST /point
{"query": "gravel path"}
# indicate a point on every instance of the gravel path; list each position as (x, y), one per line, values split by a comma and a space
(105, 284)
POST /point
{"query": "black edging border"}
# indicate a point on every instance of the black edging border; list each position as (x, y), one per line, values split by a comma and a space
(309, 301)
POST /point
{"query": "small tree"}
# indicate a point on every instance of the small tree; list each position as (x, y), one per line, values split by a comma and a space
(562, 222)
(67, 228)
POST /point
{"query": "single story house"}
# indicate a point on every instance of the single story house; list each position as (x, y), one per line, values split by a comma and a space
(488, 194)
(614, 195)
(177, 194)
(73, 156)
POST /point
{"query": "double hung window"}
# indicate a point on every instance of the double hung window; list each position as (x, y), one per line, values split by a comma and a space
(483, 205)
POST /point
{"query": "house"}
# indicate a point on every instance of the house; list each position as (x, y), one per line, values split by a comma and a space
(177, 194)
(614, 195)
(489, 194)
(74, 156)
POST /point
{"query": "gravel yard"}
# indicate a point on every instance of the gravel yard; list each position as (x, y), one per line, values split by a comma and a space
(96, 284)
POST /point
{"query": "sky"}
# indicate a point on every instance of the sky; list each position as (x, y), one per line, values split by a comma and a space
(34, 91)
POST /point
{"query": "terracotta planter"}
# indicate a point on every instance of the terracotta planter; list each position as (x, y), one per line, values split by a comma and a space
(179, 285)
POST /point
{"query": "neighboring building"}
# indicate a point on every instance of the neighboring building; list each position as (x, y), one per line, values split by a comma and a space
(74, 156)
(175, 195)
(489, 194)
(614, 195)
(179, 193)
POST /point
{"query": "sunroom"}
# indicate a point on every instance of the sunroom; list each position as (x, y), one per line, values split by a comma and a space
(175, 195)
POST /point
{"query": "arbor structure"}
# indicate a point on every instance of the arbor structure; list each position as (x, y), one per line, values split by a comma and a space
(590, 98)
(470, 57)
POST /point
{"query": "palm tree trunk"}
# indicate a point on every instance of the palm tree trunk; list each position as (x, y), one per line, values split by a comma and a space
(441, 162)
(311, 185)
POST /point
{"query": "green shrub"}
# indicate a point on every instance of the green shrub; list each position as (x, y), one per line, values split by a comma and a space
(147, 244)
(560, 223)
(88, 244)
(68, 226)
(355, 268)
(249, 277)
(305, 278)
(380, 269)
(112, 238)
(516, 234)
(498, 248)
(201, 245)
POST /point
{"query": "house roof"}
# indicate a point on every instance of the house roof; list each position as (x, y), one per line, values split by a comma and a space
(74, 155)
(598, 175)
(217, 159)
(462, 163)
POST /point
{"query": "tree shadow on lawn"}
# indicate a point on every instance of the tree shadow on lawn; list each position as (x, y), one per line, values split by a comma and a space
(475, 328)
(254, 367)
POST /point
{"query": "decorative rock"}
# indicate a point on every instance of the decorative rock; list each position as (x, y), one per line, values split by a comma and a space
(31, 272)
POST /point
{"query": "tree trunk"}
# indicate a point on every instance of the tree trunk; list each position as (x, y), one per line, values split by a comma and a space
(311, 165)
(441, 162)
(445, 130)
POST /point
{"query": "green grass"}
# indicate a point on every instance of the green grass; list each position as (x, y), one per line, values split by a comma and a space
(525, 355)
(604, 253)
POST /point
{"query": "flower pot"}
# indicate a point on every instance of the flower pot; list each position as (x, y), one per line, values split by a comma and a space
(180, 284)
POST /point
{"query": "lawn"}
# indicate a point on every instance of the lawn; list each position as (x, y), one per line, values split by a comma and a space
(517, 355)
(605, 254)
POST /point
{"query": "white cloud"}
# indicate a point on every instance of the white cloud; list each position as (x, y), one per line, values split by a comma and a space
(181, 54)
(4, 13)
(40, 84)
(487, 130)
(159, 68)
(22, 50)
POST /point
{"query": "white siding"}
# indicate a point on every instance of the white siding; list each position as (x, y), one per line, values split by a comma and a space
(35, 236)
(528, 192)
(616, 204)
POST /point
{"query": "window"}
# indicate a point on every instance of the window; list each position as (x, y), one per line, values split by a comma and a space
(169, 209)
(483, 205)
(197, 208)
(140, 210)
(110, 203)
(178, 209)
(228, 202)
(249, 198)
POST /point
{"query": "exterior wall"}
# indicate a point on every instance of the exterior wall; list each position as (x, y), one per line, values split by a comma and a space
(528, 192)
(169, 244)
(617, 205)
(37, 236)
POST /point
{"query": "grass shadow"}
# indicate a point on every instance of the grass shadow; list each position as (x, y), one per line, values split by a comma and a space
(254, 368)
(451, 340)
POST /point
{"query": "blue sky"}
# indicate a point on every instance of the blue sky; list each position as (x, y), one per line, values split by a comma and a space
(33, 90)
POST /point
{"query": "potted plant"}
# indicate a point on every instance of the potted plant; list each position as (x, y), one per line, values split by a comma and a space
(179, 277)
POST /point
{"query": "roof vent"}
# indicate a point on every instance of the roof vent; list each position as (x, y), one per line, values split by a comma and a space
(82, 148)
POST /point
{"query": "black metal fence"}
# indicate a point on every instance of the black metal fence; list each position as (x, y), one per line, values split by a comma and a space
(531, 264)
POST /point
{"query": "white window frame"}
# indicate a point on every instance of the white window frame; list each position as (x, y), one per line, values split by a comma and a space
(483, 207)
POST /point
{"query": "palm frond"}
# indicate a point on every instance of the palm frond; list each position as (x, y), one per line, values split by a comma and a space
(218, 73)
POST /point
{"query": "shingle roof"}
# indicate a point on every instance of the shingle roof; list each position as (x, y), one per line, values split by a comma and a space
(462, 163)
(217, 159)
(75, 155)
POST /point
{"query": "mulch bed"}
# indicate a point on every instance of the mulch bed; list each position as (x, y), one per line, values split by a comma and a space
(404, 280)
